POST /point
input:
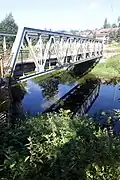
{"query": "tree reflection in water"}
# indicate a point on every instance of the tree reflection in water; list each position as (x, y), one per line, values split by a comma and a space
(50, 87)
(18, 92)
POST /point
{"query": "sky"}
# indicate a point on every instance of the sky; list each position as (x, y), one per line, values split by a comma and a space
(62, 14)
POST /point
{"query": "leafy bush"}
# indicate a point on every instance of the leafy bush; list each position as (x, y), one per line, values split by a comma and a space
(58, 147)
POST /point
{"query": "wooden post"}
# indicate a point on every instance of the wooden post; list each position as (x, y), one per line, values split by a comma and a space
(1, 66)
(4, 45)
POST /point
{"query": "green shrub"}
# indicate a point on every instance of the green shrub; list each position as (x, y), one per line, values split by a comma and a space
(58, 147)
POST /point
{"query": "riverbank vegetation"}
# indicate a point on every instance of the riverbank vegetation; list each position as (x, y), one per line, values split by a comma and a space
(58, 147)
(108, 69)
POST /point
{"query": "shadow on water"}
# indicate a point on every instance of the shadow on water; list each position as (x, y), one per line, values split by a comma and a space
(63, 90)
(11, 103)
(36, 96)
(17, 92)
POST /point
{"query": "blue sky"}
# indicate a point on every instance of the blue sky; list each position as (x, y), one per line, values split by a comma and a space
(62, 14)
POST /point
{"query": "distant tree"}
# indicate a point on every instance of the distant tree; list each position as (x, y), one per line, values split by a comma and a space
(106, 24)
(114, 25)
(112, 36)
(118, 21)
(118, 36)
(74, 31)
(8, 25)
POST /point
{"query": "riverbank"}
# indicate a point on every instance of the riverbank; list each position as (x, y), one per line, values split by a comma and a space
(108, 69)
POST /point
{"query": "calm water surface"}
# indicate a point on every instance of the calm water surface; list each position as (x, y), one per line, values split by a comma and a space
(108, 99)
(36, 100)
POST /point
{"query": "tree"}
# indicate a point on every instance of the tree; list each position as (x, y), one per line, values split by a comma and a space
(106, 24)
(8, 25)
(118, 21)
(114, 25)
(112, 36)
(118, 36)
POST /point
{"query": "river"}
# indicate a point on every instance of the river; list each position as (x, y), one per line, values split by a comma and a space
(67, 92)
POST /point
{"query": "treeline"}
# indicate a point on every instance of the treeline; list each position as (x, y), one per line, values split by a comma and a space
(108, 25)
(113, 35)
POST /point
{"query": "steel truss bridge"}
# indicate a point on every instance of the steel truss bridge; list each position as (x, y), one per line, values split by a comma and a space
(48, 50)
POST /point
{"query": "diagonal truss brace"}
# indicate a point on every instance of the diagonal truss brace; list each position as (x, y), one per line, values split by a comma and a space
(52, 45)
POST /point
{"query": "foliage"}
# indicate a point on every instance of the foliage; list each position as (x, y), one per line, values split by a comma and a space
(49, 87)
(8, 25)
(112, 36)
(106, 24)
(118, 21)
(114, 25)
(118, 36)
(4, 100)
(58, 147)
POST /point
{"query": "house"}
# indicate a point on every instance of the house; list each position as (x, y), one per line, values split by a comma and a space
(103, 34)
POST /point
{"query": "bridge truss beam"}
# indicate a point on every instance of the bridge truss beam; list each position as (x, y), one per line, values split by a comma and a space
(53, 48)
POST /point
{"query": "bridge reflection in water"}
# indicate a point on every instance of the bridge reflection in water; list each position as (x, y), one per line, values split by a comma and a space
(51, 95)
(79, 99)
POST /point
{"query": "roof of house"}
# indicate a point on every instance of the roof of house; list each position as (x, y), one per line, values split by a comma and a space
(106, 30)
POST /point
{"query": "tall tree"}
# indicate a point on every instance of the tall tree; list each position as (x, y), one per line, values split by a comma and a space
(118, 21)
(106, 24)
(8, 25)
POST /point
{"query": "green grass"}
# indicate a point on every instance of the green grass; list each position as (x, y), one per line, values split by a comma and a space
(110, 68)
(114, 45)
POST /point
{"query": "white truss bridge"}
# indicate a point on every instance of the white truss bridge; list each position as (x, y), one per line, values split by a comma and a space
(48, 51)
